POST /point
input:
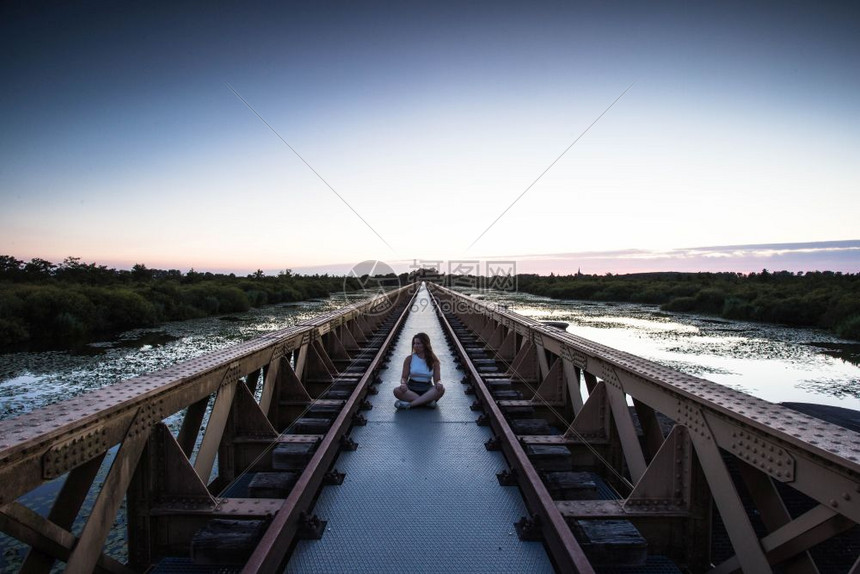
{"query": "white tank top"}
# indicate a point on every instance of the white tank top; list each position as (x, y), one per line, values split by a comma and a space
(419, 371)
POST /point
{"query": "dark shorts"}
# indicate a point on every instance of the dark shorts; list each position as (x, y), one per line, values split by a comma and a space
(419, 387)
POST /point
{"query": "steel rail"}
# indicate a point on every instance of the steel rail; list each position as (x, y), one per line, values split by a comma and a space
(272, 549)
(566, 552)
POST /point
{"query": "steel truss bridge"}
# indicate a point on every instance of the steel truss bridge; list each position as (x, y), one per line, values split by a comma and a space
(622, 465)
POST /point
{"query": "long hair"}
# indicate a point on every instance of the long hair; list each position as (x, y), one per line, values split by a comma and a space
(429, 356)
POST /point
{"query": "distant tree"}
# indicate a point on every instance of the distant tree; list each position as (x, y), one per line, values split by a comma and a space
(193, 276)
(72, 269)
(10, 268)
(140, 273)
(37, 267)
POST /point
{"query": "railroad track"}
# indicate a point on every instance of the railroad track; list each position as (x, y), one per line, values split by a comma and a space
(282, 482)
(607, 487)
(285, 479)
(548, 467)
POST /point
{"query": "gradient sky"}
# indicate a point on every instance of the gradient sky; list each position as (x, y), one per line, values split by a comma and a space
(121, 142)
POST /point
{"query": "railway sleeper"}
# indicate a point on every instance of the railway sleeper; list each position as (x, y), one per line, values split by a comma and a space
(226, 541)
(549, 458)
(508, 395)
(494, 385)
(293, 455)
(518, 411)
(272, 484)
(343, 385)
(311, 425)
(533, 427)
(355, 369)
(338, 394)
(616, 541)
(477, 353)
(325, 409)
(572, 485)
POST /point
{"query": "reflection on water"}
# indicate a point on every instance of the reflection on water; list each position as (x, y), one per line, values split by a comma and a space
(778, 364)
(846, 351)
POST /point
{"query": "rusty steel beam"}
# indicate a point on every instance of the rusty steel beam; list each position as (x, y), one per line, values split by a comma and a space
(564, 549)
(64, 510)
(49, 539)
(272, 549)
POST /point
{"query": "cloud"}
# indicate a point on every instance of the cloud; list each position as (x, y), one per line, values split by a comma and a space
(841, 256)
(821, 256)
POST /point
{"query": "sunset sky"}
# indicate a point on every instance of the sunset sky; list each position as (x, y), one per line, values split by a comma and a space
(122, 142)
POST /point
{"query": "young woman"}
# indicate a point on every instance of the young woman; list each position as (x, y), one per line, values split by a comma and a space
(419, 382)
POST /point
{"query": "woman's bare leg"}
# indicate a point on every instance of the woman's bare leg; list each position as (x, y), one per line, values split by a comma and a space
(433, 394)
(406, 395)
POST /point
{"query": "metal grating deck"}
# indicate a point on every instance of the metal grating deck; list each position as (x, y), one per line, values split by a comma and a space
(420, 493)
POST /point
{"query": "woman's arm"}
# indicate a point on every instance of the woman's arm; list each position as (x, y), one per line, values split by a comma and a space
(436, 373)
(404, 376)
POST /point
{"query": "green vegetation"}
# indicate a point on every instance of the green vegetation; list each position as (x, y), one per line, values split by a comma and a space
(814, 299)
(46, 304)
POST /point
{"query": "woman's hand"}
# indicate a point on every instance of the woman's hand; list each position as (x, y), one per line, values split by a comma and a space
(403, 387)
(440, 387)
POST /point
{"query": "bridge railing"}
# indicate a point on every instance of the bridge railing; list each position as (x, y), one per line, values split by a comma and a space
(222, 419)
(673, 475)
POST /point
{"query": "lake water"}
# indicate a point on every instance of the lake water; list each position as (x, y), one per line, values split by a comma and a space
(778, 364)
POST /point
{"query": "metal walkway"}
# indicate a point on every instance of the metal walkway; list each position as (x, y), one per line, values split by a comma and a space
(420, 493)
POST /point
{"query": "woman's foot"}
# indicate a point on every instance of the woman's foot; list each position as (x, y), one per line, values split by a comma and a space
(402, 404)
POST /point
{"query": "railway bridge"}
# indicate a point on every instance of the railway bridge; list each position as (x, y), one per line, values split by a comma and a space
(549, 452)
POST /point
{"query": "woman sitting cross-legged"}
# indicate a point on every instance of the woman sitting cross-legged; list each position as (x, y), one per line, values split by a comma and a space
(419, 383)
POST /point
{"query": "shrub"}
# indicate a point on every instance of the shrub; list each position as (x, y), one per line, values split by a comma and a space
(13, 332)
(257, 298)
(710, 300)
(737, 308)
(124, 309)
(850, 328)
(680, 304)
(55, 313)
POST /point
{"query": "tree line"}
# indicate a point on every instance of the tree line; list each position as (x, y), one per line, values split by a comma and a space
(825, 299)
(51, 304)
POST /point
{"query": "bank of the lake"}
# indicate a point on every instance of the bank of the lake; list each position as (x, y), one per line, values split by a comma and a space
(824, 299)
